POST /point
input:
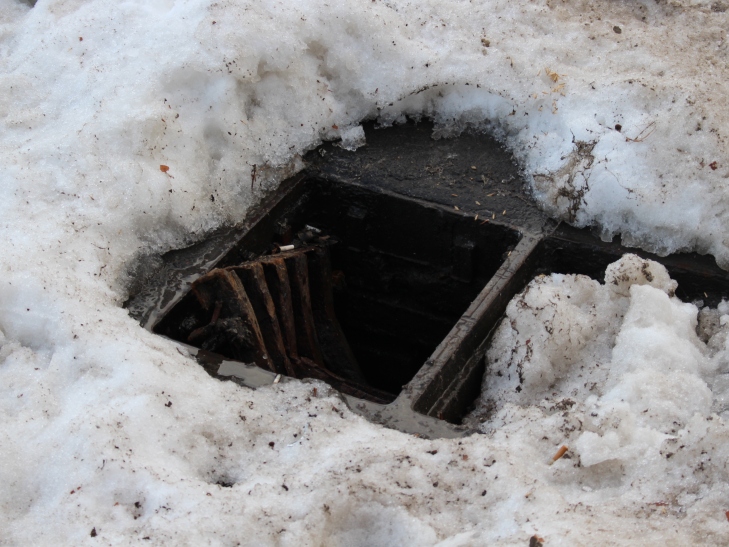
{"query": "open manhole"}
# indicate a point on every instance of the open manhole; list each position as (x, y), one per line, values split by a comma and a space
(350, 285)
(383, 273)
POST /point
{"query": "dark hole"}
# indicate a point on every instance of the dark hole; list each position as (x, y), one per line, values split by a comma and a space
(399, 273)
(578, 252)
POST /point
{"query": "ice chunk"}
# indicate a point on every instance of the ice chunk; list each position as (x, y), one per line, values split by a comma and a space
(632, 270)
(353, 138)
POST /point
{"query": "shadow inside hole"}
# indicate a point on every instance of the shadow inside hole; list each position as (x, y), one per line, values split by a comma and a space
(402, 274)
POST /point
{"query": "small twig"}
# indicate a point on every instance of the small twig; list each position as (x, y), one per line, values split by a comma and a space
(561, 452)
(643, 135)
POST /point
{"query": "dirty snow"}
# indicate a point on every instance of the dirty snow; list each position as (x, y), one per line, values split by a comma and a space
(617, 111)
(617, 373)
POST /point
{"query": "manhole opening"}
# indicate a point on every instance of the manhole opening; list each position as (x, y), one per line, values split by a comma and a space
(411, 287)
(387, 278)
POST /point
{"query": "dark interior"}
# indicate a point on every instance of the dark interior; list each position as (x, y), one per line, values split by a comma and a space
(403, 271)
(577, 251)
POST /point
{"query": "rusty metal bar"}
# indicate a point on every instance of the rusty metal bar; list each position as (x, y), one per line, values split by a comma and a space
(223, 291)
(306, 339)
(277, 279)
(285, 307)
(254, 282)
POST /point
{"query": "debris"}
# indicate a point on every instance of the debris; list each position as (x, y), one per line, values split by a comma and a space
(644, 134)
(536, 541)
(287, 248)
(233, 327)
(714, 166)
(552, 75)
(277, 379)
(561, 452)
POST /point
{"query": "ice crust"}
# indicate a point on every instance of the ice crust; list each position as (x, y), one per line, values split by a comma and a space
(111, 434)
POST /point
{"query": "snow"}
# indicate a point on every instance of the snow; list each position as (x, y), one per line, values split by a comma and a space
(617, 372)
(111, 434)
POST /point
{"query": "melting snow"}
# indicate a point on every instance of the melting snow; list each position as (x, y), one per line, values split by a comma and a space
(617, 113)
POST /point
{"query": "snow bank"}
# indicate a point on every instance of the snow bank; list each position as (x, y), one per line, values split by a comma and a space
(129, 128)
(618, 373)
